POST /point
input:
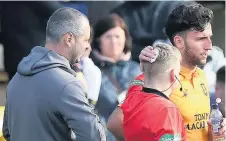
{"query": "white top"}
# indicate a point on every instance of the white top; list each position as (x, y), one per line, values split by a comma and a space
(93, 78)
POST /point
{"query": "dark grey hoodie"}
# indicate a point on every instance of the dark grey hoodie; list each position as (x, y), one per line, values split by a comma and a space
(45, 102)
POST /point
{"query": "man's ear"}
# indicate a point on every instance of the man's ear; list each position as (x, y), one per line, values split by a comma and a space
(172, 76)
(179, 41)
(68, 37)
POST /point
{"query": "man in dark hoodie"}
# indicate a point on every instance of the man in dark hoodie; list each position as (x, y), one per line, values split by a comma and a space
(45, 101)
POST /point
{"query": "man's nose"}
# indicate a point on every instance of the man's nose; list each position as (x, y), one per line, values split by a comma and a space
(208, 45)
(88, 48)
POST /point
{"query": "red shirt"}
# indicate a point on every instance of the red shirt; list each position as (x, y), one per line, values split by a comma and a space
(150, 116)
(135, 85)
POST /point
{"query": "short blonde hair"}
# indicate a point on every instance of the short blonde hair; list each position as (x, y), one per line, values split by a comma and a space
(166, 59)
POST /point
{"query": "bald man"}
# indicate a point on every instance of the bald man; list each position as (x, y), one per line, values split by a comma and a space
(45, 100)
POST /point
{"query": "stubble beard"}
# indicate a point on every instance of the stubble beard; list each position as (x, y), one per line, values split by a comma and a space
(192, 59)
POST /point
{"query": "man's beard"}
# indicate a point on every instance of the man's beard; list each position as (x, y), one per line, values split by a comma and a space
(191, 58)
(73, 58)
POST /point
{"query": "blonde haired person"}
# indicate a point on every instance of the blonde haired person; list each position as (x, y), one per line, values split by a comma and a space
(149, 114)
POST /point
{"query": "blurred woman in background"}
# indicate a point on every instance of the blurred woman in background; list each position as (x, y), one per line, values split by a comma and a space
(111, 53)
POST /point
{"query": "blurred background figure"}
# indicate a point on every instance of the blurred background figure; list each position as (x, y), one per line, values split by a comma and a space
(215, 60)
(220, 88)
(112, 53)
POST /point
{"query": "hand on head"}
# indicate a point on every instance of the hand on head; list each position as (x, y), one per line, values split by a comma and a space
(148, 54)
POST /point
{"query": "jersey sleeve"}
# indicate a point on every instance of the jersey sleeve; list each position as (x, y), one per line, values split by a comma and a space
(167, 125)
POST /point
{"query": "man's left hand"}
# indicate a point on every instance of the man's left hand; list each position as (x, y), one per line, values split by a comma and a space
(223, 127)
(222, 130)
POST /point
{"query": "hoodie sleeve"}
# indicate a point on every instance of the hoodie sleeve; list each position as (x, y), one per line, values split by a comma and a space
(79, 115)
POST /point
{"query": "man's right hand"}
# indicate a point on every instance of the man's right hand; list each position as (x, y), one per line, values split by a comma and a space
(148, 54)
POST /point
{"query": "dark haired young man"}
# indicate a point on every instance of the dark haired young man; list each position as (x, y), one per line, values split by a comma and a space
(189, 29)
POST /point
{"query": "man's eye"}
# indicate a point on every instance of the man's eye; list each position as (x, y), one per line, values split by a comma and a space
(202, 38)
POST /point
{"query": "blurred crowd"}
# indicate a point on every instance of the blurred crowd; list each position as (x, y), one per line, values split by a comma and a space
(112, 61)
